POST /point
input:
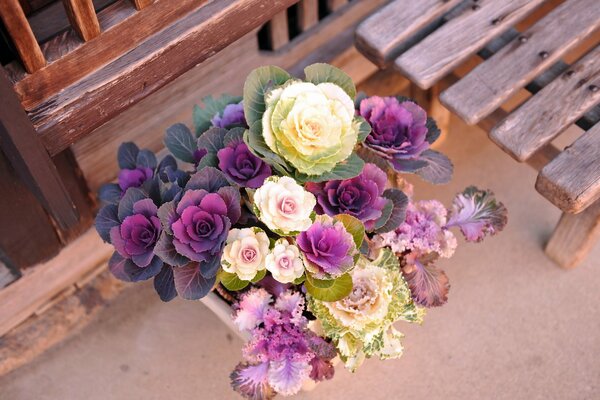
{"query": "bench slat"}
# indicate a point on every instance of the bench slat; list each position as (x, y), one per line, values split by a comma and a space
(544, 116)
(450, 45)
(381, 35)
(572, 180)
(493, 82)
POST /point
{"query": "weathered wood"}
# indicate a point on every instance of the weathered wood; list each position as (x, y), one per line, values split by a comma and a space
(83, 18)
(544, 116)
(139, 4)
(334, 5)
(493, 82)
(574, 236)
(25, 296)
(80, 108)
(145, 122)
(67, 317)
(22, 146)
(381, 36)
(27, 236)
(572, 180)
(124, 36)
(17, 26)
(308, 14)
(459, 38)
(278, 31)
(6, 275)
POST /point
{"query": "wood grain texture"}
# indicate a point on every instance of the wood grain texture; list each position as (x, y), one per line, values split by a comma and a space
(20, 32)
(334, 5)
(25, 296)
(572, 180)
(553, 109)
(83, 18)
(146, 121)
(574, 237)
(22, 146)
(278, 31)
(493, 82)
(381, 36)
(124, 36)
(308, 14)
(139, 4)
(459, 38)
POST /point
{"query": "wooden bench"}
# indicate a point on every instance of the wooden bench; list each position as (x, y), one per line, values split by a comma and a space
(488, 53)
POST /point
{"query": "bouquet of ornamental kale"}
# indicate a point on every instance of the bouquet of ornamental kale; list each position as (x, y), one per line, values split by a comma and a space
(289, 203)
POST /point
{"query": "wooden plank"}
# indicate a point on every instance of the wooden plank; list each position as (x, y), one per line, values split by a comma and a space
(308, 14)
(493, 82)
(83, 18)
(146, 121)
(459, 38)
(574, 237)
(80, 108)
(27, 236)
(278, 30)
(334, 5)
(35, 88)
(572, 180)
(139, 4)
(544, 116)
(381, 36)
(25, 296)
(17, 26)
(23, 148)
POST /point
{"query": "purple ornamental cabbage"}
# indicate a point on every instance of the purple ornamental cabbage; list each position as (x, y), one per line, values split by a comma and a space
(134, 177)
(399, 130)
(133, 228)
(194, 231)
(231, 117)
(241, 166)
(360, 197)
(327, 248)
(282, 352)
(477, 213)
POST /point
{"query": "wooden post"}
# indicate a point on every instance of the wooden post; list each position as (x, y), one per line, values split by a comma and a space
(21, 145)
(429, 100)
(16, 23)
(278, 31)
(83, 18)
(333, 5)
(139, 4)
(574, 236)
(308, 14)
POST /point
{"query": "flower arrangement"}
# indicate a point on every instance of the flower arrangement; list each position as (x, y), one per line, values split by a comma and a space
(289, 204)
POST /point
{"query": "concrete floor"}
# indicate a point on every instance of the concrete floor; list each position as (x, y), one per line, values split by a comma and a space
(516, 326)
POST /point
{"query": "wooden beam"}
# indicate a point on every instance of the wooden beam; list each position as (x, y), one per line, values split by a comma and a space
(139, 4)
(382, 36)
(20, 32)
(436, 56)
(572, 180)
(89, 103)
(491, 83)
(308, 14)
(22, 146)
(83, 18)
(278, 30)
(25, 296)
(334, 5)
(574, 236)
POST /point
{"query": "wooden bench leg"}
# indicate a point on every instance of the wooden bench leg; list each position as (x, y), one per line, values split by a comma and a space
(574, 236)
(430, 100)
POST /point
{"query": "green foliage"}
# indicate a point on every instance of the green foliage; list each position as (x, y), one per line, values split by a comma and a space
(353, 226)
(212, 106)
(231, 281)
(333, 290)
(257, 84)
(320, 73)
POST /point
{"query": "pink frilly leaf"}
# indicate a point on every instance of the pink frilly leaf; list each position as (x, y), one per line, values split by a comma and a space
(251, 381)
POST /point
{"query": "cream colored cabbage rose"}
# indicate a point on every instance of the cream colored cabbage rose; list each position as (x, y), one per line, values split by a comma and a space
(311, 126)
(284, 206)
(245, 252)
(284, 262)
